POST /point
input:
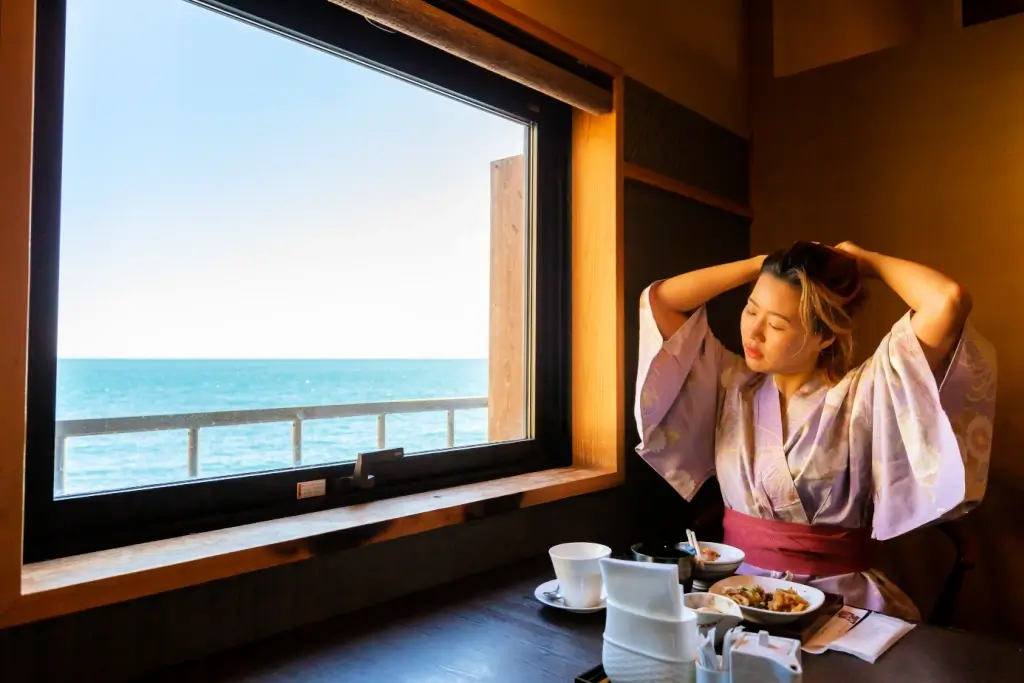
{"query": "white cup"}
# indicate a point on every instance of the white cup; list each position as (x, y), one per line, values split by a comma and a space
(578, 570)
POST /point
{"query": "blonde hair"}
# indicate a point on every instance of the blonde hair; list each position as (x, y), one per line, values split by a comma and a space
(831, 293)
(825, 312)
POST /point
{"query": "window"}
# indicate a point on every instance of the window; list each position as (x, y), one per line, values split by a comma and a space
(269, 236)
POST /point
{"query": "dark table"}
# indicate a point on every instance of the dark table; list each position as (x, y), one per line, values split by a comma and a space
(490, 628)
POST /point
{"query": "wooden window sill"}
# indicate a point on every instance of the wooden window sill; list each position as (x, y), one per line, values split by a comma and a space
(72, 584)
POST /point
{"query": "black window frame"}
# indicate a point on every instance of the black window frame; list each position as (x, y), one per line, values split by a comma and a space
(58, 527)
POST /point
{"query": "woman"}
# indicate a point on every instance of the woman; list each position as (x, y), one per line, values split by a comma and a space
(816, 460)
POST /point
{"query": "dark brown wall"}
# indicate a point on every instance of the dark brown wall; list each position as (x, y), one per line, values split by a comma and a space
(918, 151)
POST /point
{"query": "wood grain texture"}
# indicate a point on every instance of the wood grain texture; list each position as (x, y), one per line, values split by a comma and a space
(530, 25)
(76, 583)
(446, 32)
(139, 637)
(597, 279)
(676, 142)
(489, 629)
(17, 44)
(506, 369)
(645, 175)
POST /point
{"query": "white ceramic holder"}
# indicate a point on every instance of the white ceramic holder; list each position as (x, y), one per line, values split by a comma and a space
(649, 635)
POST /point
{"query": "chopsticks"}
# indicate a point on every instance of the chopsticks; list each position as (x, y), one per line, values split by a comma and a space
(692, 538)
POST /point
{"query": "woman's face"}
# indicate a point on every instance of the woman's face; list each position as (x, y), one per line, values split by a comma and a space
(774, 338)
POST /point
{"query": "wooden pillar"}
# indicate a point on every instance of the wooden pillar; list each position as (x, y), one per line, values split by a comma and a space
(17, 64)
(506, 369)
(599, 412)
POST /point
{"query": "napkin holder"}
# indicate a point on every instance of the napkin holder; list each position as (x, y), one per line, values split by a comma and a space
(758, 657)
(649, 636)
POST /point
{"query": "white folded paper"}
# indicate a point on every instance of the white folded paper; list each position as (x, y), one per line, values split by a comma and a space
(869, 639)
(836, 627)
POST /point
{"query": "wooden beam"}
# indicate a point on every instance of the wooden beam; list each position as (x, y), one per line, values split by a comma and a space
(598, 333)
(760, 61)
(449, 33)
(17, 67)
(514, 17)
(655, 179)
(506, 362)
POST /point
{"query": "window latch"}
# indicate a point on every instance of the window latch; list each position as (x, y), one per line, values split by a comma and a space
(361, 477)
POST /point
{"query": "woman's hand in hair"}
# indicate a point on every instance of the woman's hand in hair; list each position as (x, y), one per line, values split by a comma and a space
(940, 305)
(862, 257)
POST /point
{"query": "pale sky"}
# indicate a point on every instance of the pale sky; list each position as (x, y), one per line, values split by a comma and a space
(229, 193)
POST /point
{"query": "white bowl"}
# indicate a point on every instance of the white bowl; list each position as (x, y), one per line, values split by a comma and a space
(729, 613)
(812, 595)
(729, 560)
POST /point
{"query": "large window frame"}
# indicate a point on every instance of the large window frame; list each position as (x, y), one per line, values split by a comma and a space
(77, 524)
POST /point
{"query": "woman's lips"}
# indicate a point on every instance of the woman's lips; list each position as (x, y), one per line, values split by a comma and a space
(752, 353)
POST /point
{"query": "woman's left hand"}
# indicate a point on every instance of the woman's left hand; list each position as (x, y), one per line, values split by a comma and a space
(862, 256)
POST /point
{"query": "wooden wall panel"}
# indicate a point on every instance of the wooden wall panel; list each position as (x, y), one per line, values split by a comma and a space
(597, 304)
(668, 235)
(17, 45)
(666, 137)
(685, 208)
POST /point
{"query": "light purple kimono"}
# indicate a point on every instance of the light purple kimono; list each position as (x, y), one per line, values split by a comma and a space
(887, 447)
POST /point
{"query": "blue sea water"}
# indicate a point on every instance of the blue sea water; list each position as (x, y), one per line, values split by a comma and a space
(122, 388)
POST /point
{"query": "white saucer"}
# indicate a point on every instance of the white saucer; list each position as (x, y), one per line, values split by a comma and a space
(551, 586)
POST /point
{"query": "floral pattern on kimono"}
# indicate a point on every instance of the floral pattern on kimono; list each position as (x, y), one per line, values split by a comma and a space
(888, 446)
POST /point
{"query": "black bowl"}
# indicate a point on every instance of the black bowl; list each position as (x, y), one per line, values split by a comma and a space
(679, 554)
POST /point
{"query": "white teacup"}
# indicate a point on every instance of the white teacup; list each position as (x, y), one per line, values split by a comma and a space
(578, 570)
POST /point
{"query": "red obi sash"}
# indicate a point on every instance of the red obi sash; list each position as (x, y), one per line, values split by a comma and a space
(799, 548)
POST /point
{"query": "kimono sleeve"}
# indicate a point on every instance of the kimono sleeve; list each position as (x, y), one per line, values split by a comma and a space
(677, 391)
(929, 441)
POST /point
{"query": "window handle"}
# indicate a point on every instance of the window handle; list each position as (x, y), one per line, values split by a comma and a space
(361, 477)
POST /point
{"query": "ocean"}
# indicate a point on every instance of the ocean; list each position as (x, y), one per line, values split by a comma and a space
(123, 388)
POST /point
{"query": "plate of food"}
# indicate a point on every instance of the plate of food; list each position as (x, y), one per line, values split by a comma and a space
(770, 601)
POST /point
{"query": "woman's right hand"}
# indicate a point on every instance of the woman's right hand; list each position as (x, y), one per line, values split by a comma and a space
(673, 300)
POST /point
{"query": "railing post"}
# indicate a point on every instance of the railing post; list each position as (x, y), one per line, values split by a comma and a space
(381, 430)
(451, 428)
(296, 442)
(59, 475)
(193, 452)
